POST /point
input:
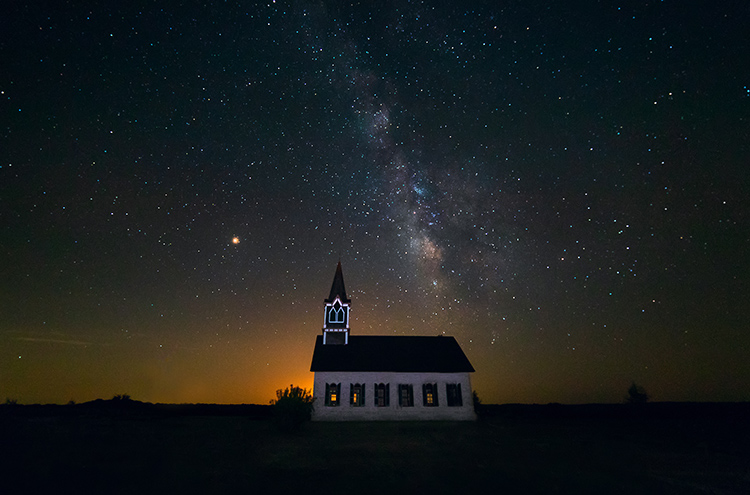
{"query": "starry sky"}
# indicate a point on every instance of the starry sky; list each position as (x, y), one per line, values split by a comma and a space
(562, 188)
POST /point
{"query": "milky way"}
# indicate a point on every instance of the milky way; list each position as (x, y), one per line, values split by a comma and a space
(562, 189)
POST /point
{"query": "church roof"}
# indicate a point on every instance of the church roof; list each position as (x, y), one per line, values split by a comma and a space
(337, 288)
(391, 353)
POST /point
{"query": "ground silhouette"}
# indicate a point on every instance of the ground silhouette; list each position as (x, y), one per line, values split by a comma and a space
(98, 447)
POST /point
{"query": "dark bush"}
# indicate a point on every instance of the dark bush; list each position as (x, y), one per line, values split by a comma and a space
(292, 407)
(636, 395)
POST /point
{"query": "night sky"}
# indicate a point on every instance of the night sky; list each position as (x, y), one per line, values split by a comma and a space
(563, 189)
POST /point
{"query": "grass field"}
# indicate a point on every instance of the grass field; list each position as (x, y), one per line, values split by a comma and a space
(517, 452)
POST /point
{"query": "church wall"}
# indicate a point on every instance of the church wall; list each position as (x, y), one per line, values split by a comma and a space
(393, 412)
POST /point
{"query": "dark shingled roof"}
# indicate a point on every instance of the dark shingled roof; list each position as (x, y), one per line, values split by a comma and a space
(337, 287)
(391, 353)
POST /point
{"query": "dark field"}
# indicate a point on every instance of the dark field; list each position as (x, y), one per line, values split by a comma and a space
(659, 448)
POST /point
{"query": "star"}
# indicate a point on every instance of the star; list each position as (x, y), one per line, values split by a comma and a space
(480, 173)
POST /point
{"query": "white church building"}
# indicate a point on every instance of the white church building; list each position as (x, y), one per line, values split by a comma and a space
(362, 378)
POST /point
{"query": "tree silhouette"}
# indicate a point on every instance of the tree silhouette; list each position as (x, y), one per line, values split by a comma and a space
(636, 395)
(292, 407)
(478, 409)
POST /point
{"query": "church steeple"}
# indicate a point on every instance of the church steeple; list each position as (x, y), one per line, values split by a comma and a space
(336, 317)
(337, 288)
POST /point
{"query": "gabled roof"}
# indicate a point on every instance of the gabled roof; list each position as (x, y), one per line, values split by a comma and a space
(391, 353)
(337, 288)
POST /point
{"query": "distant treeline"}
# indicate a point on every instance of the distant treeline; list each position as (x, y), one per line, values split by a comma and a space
(651, 410)
(118, 407)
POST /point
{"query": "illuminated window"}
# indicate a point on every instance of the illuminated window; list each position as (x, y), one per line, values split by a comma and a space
(453, 391)
(405, 395)
(382, 394)
(357, 394)
(333, 392)
(429, 395)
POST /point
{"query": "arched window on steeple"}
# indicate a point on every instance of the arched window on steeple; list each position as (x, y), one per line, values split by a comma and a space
(336, 314)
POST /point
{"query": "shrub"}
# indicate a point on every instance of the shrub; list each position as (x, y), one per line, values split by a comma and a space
(636, 395)
(292, 407)
(478, 409)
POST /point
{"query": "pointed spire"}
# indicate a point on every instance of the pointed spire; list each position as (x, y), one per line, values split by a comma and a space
(337, 288)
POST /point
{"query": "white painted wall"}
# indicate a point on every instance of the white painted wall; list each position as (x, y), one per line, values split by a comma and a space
(370, 412)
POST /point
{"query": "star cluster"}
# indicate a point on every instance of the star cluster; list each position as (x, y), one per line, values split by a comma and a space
(563, 189)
